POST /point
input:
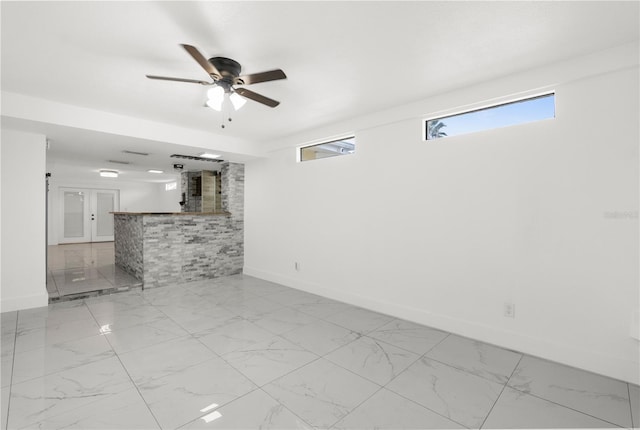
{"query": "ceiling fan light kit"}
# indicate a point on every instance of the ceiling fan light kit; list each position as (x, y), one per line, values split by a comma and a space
(215, 98)
(224, 74)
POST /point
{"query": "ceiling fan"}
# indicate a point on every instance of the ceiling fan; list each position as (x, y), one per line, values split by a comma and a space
(225, 73)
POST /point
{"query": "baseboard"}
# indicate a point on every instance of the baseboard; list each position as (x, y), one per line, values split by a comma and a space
(613, 367)
(25, 302)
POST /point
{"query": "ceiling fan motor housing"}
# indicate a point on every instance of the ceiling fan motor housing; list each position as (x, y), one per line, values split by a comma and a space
(230, 69)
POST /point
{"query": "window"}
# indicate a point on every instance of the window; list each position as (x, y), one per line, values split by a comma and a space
(332, 148)
(170, 186)
(503, 115)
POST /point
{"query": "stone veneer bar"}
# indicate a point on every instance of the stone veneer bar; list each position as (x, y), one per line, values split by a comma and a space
(169, 248)
(164, 249)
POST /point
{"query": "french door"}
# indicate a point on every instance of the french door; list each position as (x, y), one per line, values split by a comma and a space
(86, 214)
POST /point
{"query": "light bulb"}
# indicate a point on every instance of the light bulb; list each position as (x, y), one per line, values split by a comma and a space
(215, 104)
(215, 93)
(237, 100)
(216, 97)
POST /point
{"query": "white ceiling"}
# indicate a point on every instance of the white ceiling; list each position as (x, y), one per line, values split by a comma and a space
(343, 59)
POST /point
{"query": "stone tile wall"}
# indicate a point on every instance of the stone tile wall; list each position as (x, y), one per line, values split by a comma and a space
(128, 231)
(185, 248)
(232, 184)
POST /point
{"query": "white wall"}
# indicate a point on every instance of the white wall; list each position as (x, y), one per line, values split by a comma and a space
(444, 233)
(134, 196)
(23, 266)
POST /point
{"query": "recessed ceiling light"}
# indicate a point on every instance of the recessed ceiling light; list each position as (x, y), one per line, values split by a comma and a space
(209, 155)
(109, 173)
(154, 171)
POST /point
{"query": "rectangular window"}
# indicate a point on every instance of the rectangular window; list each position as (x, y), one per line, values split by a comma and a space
(502, 115)
(170, 186)
(328, 149)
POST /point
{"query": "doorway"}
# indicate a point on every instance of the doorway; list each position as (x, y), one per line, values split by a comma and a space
(86, 214)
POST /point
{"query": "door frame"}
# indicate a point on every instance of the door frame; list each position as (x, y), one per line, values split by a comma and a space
(89, 208)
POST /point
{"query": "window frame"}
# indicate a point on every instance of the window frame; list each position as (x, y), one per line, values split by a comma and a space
(504, 102)
(342, 138)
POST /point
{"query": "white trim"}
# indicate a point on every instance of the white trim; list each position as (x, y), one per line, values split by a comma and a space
(25, 302)
(561, 353)
(492, 102)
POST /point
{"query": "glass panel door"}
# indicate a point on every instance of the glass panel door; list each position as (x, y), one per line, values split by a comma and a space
(86, 214)
(75, 222)
(103, 202)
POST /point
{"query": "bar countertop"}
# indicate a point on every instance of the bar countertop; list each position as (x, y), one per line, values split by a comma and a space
(171, 213)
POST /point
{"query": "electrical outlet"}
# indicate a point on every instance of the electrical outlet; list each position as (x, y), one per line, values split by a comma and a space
(297, 266)
(509, 310)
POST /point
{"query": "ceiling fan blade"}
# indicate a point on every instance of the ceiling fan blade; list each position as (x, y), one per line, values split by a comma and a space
(167, 78)
(271, 75)
(204, 63)
(257, 97)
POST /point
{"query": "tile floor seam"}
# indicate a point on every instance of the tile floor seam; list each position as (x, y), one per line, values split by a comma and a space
(290, 329)
(467, 371)
(376, 383)
(564, 406)
(386, 342)
(423, 406)
(69, 410)
(57, 343)
(320, 318)
(278, 377)
(501, 391)
(340, 346)
(221, 405)
(287, 408)
(349, 370)
(438, 343)
(370, 380)
(363, 333)
(548, 360)
(124, 368)
(128, 374)
(182, 327)
(32, 378)
(138, 390)
(327, 319)
(630, 405)
(215, 409)
(423, 356)
(355, 407)
(13, 362)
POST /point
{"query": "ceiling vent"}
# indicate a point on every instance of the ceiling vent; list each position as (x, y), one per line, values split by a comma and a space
(135, 152)
(191, 157)
(118, 162)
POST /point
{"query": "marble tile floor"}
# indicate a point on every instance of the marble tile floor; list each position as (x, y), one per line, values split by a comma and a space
(84, 270)
(243, 353)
